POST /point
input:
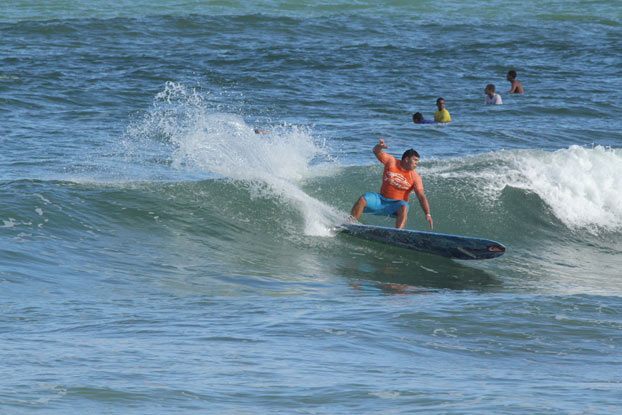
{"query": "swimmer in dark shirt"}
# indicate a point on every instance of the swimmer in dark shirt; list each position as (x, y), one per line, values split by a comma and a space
(418, 119)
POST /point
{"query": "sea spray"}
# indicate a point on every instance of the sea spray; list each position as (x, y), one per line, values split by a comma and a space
(202, 138)
(580, 186)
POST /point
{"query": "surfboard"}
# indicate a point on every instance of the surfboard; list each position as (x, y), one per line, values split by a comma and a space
(449, 246)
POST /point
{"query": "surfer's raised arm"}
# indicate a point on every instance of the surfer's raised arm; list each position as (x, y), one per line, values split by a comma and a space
(379, 147)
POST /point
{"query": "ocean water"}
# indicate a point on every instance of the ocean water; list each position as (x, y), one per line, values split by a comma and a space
(157, 256)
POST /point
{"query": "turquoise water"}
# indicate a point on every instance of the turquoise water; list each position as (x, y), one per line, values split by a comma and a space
(158, 256)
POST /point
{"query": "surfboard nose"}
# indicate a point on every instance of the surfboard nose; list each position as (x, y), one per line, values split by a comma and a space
(496, 248)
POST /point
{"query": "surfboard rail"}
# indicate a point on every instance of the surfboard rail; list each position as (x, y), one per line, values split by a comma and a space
(445, 245)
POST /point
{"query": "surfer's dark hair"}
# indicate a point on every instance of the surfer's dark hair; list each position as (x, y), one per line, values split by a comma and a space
(512, 74)
(409, 153)
(417, 117)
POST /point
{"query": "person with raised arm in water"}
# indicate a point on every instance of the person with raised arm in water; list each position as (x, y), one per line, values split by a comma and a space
(398, 180)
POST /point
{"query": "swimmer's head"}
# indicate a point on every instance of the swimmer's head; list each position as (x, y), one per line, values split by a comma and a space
(417, 118)
(511, 75)
(440, 103)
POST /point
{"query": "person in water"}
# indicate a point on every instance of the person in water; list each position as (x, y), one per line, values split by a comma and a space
(517, 87)
(442, 115)
(491, 97)
(398, 180)
(418, 119)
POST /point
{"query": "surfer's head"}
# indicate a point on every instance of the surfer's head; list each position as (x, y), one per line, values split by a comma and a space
(511, 75)
(440, 103)
(410, 159)
(409, 153)
(417, 118)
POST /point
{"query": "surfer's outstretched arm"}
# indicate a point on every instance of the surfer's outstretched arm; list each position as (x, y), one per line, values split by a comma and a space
(379, 147)
(423, 201)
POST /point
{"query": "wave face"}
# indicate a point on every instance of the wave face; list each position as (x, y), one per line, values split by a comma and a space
(269, 201)
(191, 174)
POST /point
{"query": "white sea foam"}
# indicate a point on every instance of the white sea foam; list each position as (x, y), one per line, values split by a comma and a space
(275, 164)
(582, 186)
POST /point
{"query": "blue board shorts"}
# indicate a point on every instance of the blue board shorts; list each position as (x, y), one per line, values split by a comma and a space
(380, 205)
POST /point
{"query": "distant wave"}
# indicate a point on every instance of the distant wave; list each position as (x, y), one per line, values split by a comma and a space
(571, 11)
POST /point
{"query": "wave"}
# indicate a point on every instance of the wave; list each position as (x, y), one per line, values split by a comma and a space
(500, 195)
(201, 190)
(575, 188)
(578, 185)
(261, 225)
(184, 139)
(270, 163)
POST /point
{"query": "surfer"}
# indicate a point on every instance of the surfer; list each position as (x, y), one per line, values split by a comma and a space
(398, 180)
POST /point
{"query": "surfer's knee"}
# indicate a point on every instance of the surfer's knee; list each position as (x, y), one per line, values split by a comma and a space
(361, 203)
(358, 208)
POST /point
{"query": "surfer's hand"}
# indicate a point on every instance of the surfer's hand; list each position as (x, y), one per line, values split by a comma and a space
(428, 217)
(383, 144)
